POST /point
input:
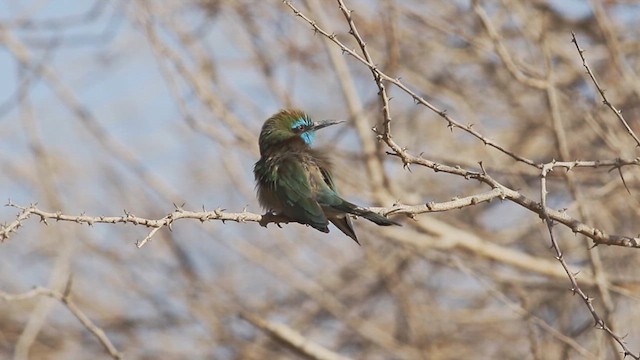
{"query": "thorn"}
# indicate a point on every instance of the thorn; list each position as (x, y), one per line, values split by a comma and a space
(179, 208)
(67, 287)
(484, 172)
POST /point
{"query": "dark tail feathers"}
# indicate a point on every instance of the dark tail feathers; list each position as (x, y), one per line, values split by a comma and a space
(373, 217)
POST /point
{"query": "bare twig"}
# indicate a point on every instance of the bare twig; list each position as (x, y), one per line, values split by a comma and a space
(606, 101)
(382, 91)
(13, 226)
(562, 146)
(575, 287)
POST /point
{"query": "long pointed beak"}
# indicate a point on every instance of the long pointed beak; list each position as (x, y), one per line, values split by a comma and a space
(322, 124)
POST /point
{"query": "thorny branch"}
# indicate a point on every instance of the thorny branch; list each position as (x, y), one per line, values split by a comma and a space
(451, 122)
(548, 215)
(575, 287)
(498, 191)
(597, 235)
(606, 101)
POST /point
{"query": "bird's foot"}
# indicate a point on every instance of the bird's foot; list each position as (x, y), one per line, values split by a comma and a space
(272, 217)
(266, 219)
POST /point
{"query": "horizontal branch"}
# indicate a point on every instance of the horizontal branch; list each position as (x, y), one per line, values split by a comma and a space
(129, 218)
(498, 191)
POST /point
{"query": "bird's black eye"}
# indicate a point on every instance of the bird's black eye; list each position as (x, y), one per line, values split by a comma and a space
(299, 128)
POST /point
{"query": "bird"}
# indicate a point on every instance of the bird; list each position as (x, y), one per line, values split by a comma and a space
(294, 180)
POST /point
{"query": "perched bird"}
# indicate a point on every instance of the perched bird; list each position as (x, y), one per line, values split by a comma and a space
(294, 180)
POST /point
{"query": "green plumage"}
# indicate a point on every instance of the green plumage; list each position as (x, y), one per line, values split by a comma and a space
(295, 181)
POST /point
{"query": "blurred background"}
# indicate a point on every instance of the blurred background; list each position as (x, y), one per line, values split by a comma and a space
(114, 106)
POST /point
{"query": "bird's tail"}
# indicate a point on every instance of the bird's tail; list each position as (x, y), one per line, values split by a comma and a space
(371, 216)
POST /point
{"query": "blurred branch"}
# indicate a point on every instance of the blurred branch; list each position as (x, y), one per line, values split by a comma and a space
(44, 165)
(504, 53)
(59, 23)
(65, 299)
(70, 99)
(366, 328)
(200, 84)
(292, 339)
(615, 47)
(523, 312)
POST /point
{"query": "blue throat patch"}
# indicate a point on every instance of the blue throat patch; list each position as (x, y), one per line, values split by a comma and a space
(308, 136)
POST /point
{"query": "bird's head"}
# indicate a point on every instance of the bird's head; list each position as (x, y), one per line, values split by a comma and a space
(290, 127)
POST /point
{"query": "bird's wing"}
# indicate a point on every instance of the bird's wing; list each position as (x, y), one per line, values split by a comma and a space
(335, 206)
(329, 199)
(327, 194)
(294, 188)
(326, 176)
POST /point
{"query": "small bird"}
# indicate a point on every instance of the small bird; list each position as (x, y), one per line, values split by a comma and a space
(294, 180)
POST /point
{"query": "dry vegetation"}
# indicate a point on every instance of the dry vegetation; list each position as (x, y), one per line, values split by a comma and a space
(479, 125)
